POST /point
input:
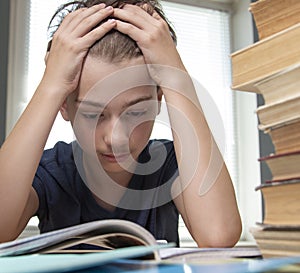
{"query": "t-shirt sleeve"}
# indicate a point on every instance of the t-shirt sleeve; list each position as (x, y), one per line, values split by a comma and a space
(53, 183)
(39, 186)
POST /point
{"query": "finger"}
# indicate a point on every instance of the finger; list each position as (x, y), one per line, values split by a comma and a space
(90, 38)
(89, 22)
(156, 16)
(75, 18)
(134, 15)
(160, 22)
(68, 21)
(132, 31)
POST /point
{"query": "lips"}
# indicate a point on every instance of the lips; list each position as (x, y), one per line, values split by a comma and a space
(115, 158)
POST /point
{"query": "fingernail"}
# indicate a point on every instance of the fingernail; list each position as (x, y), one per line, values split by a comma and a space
(109, 8)
(111, 21)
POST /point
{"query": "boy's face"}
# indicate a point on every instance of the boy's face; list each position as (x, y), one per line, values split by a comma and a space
(113, 111)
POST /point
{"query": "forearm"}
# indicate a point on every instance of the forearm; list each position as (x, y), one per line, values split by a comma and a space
(212, 218)
(205, 195)
(21, 153)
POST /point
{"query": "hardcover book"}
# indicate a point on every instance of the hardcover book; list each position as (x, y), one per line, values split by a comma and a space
(265, 58)
(286, 138)
(276, 114)
(283, 166)
(272, 16)
(281, 202)
(281, 86)
(277, 241)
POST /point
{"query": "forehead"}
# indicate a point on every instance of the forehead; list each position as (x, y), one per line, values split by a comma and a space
(99, 76)
(103, 82)
(136, 96)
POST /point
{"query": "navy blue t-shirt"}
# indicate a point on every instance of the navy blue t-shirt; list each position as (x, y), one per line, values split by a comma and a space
(65, 200)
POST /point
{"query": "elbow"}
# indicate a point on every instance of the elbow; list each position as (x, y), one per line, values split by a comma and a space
(224, 236)
(9, 233)
(7, 236)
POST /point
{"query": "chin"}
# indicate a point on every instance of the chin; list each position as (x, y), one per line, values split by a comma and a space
(113, 169)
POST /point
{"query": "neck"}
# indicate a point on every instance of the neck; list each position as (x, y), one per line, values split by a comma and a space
(121, 178)
(107, 188)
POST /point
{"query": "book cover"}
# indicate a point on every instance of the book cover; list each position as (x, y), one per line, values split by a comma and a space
(96, 263)
(41, 263)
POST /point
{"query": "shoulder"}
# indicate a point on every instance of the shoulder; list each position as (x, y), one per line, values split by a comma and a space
(57, 184)
(165, 142)
(160, 144)
(57, 164)
(159, 156)
(61, 153)
(162, 147)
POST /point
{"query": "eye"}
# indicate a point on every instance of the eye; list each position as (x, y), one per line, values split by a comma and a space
(90, 115)
(136, 113)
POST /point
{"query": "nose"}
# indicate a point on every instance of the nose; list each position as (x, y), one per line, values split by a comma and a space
(116, 134)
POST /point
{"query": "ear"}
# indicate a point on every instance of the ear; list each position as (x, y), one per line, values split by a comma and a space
(48, 50)
(64, 111)
(159, 98)
(46, 57)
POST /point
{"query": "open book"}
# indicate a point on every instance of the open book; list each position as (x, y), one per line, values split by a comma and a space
(124, 240)
(88, 237)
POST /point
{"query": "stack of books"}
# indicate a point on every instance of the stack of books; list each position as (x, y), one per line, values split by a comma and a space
(271, 67)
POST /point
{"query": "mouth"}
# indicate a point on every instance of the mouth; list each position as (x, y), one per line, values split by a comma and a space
(114, 158)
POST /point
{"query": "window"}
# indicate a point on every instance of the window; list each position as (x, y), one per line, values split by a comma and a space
(204, 43)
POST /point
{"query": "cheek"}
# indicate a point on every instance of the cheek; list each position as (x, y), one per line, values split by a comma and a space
(85, 135)
(141, 134)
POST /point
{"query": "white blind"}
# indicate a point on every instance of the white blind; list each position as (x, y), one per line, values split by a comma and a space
(204, 45)
(39, 17)
(40, 14)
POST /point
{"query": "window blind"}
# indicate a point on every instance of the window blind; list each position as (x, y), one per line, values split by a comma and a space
(204, 45)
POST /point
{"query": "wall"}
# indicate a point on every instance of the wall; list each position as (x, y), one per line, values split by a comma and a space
(248, 135)
(4, 30)
(265, 142)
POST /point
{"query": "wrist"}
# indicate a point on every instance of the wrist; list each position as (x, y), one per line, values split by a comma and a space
(52, 92)
(53, 89)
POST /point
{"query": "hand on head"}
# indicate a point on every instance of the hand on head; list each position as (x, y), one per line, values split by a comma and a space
(114, 33)
(71, 42)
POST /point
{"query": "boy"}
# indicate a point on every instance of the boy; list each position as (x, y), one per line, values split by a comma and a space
(108, 66)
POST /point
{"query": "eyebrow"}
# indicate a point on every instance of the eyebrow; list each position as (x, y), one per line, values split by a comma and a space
(127, 104)
(91, 103)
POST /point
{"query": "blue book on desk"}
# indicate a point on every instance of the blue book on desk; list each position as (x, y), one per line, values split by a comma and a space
(110, 262)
